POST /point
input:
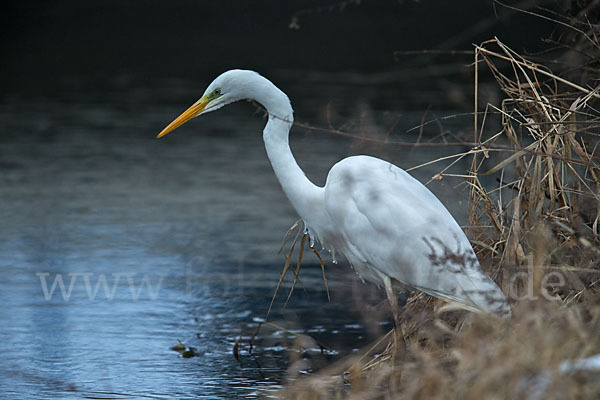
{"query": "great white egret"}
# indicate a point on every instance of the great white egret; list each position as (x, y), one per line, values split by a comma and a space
(391, 228)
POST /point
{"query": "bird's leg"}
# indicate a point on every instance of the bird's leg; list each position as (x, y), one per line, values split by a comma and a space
(398, 340)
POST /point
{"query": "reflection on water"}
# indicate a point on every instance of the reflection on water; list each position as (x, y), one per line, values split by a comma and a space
(114, 246)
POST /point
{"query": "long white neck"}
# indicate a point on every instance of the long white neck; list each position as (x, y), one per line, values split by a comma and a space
(305, 196)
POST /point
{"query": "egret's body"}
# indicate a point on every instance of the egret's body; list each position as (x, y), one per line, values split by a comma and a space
(389, 226)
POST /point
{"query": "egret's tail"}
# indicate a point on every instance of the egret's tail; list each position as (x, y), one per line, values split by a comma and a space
(475, 293)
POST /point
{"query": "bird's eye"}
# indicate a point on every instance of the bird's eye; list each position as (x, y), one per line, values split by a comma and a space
(217, 92)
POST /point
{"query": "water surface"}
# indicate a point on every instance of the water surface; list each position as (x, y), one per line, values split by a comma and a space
(184, 230)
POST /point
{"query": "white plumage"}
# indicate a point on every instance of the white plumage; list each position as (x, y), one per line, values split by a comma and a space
(389, 226)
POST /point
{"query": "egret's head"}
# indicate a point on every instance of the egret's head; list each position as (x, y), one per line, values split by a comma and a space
(230, 86)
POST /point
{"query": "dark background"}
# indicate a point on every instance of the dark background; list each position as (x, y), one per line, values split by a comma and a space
(53, 46)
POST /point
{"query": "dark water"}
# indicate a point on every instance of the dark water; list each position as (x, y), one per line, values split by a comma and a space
(184, 231)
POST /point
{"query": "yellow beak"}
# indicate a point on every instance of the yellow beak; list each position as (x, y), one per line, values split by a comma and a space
(188, 114)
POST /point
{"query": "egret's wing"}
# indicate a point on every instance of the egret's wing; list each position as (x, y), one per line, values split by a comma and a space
(393, 224)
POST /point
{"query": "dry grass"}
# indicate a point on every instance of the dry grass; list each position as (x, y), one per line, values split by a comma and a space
(484, 359)
(551, 175)
(296, 232)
